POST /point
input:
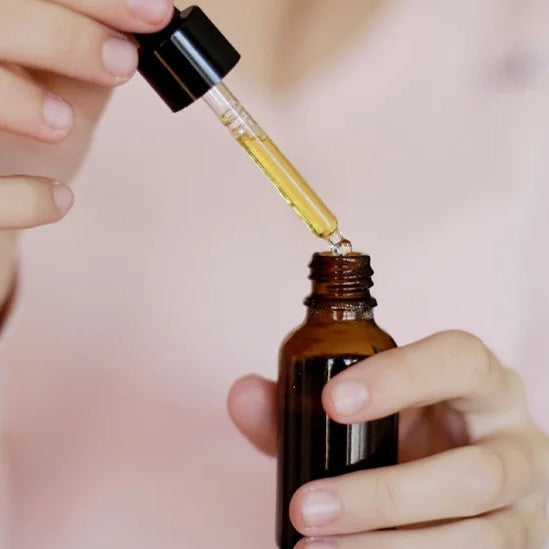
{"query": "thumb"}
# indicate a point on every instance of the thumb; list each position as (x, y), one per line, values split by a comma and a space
(252, 407)
(31, 201)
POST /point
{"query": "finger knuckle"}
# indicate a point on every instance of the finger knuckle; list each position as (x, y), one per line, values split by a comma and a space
(74, 45)
(459, 338)
(32, 208)
(543, 529)
(484, 365)
(522, 537)
(484, 532)
(509, 533)
(538, 531)
(524, 531)
(64, 38)
(386, 501)
(476, 356)
(514, 381)
(493, 473)
(543, 452)
(515, 395)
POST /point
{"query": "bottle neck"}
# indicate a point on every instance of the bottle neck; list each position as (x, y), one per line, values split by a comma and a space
(329, 316)
(340, 289)
(339, 302)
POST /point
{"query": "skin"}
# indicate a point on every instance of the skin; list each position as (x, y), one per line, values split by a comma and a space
(41, 152)
(474, 468)
(464, 415)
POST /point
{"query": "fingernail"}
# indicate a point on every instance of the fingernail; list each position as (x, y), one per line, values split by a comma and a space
(348, 397)
(319, 508)
(58, 113)
(150, 11)
(119, 58)
(63, 197)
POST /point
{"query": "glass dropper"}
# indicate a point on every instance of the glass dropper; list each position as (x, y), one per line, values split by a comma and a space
(187, 61)
(284, 176)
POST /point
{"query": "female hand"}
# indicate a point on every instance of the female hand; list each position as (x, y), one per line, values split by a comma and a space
(58, 61)
(474, 468)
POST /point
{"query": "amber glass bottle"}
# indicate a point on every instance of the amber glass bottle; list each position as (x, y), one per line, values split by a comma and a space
(339, 330)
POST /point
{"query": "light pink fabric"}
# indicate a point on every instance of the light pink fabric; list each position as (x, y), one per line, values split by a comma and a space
(425, 127)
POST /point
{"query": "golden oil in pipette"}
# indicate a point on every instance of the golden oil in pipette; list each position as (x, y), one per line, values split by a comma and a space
(295, 190)
(291, 185)
(274, 164)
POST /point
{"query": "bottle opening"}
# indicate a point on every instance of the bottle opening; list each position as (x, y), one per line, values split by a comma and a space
(341, 281)
(350, 254)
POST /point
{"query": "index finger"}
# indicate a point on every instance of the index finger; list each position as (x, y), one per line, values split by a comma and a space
(124, 15)
(449, 366)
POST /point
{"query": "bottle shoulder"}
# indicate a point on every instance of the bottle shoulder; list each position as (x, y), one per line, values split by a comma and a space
(362, 338)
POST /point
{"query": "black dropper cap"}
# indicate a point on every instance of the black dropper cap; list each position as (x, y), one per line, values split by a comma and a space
(186, 59)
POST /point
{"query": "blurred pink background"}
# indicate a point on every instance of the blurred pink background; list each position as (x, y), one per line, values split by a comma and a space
(424, 127)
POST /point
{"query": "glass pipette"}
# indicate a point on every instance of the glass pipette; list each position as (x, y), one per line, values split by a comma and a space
(187, 61)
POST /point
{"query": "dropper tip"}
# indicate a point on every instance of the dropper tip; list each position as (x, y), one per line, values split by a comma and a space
(343, 248)
(340, 246)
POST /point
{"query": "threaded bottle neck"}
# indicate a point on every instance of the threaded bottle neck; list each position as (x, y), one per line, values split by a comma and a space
(341, 282)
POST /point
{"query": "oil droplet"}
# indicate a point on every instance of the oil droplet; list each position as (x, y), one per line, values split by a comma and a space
(339, 245)
(342, 248)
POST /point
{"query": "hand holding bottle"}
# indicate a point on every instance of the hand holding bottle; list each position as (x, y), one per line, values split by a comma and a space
(474, 468)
